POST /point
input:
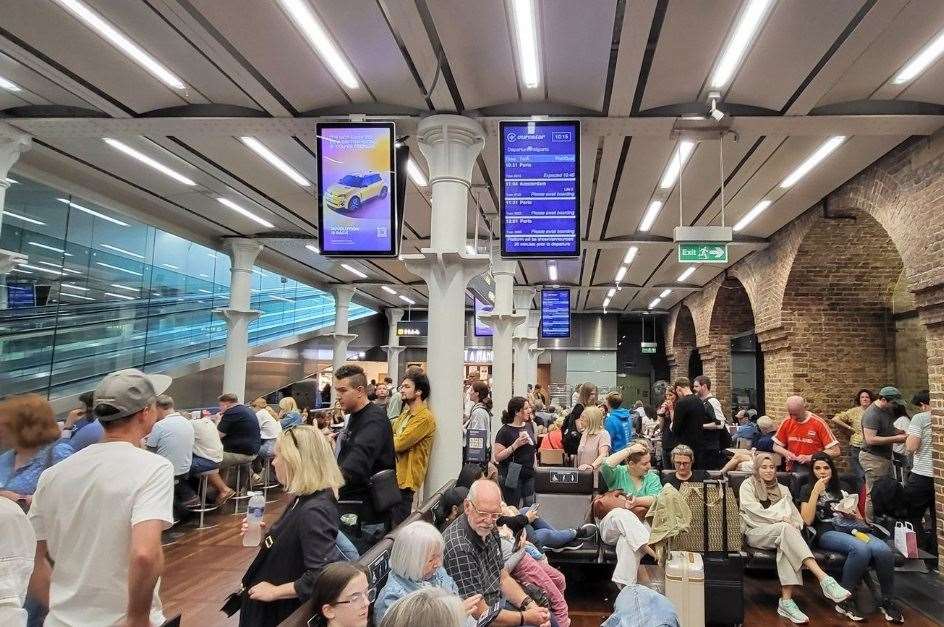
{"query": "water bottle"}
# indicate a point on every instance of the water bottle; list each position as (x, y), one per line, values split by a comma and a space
(859, 535)
(255, 510)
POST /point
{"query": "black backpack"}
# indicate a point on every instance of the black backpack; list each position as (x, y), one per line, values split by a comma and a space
(570, 435)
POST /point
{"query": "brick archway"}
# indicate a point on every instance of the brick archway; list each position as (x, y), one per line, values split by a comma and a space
(683, 342)
(731, 314)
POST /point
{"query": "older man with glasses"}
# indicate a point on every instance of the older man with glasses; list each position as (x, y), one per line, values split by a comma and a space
(473, 558)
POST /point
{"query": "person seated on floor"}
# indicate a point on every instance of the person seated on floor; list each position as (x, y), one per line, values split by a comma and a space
(543, 583)
(288, 412)
(172, 438)
(545, 536)
(823, 508)
(683, 459)
(770, 520)
(428, 606)
(341, 596)
(472, 557)
(415, 563)
(595, 441)
(623, 525)
(639, 606)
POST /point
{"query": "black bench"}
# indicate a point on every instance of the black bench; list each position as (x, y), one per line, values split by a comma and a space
(565, 495)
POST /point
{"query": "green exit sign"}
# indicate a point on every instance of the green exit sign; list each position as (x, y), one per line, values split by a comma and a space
(648, 347)
(702, 252)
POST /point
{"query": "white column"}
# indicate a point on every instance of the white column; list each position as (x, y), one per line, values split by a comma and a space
(13, 143)
(341, 337)
(522, 341)
(534, 321)
(450, 144)
(238, 315)
(393, 348)
(503, 319)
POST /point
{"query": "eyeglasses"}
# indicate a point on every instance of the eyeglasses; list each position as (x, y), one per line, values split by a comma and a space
(481, 514)
(357, 597)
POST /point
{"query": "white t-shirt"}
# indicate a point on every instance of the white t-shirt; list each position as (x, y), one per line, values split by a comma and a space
(269, 427)
(84, 508)
(920, 427)
(207, 443)
(172, 437)
(901, 423)
(719, 413)
(17, 548)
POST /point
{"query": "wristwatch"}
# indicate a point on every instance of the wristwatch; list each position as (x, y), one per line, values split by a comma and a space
(526, 603)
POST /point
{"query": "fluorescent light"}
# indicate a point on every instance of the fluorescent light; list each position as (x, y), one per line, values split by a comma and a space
(52, 248)
(118, 39)
(388, 290)
(9, 85)
(61, 294)
(655, 303)
(752, 214)
(630, 255)
(526, 34)
(111, 267)
(313, 249)
(620, 274)
(552, 271)
(747, 26)
(354, 271)
(416, 174)
(91, 212)
(491, 296)
(651, 214)
(70, 271)
(121, 296)
(50, 264)
(665, 293)
(687, 273)
(606, 302)
(813, 160)
(148, 161)
(407, 300)
(20, 271)
(170, 266)
(10, 214)
(320, 41)
(205, 291)
(611, 292)
(73, 286)
(127, 288)
(121, 250)
(921, 61)
(12, 181)
(226, 202)
(676, 163)
(26, 265)
(275, 161)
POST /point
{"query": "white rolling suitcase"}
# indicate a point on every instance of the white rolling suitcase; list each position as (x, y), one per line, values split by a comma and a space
(685, 587)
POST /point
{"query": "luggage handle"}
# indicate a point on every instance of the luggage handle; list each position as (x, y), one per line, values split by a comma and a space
(722, 484)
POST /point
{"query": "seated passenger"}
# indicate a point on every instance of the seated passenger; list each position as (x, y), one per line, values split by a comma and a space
(595, 442)
(288, 412)
(17, 549)
(427, 606)
(802, 434)
(683, 459)
(747, 428)
(450, 505)
(542, 534)
(553, 440)
(28, 428)
(172, 438)
(638, 606)
(531, 569)
(472, 558)
(207, 455)
(619, 422)
(239, 431)
(341, 596)
(770, 520)
(416, 563)
(82, 427)
(623, 525)
(834, 533)
(269, 426)
(283, 573)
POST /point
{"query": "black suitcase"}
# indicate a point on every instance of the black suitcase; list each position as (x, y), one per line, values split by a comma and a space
(724, 570)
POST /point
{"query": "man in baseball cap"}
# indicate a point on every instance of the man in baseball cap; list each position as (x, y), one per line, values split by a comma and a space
(97, 508)
(879, 434)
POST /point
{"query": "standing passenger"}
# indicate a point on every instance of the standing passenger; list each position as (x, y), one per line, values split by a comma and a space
(688, 420)
(515, 453)
(851, 421)
(412, 440)
(879, 434)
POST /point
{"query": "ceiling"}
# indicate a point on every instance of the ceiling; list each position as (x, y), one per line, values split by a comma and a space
(611, 63)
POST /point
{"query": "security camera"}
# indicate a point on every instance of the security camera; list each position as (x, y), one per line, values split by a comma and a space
(713, 109)
(717, 114)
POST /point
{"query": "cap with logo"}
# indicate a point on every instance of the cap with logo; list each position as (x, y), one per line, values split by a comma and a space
(890, 393)
(128, 391)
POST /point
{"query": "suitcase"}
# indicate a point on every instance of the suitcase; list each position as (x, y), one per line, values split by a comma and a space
(685, 587)
(724, 570)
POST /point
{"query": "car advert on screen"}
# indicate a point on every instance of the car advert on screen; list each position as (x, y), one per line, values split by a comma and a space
(357, 212)
(540, 189)
(555, 313)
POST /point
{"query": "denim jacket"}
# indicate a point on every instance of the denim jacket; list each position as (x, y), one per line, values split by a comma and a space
(638, 606)
(398, 587)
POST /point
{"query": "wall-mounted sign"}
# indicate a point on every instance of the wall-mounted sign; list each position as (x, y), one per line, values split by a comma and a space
(357, 208)
(555, 313)
(702, 252)
(648, 347)
(481, 329)
(540, 189)
(412, 328)
(21, 295)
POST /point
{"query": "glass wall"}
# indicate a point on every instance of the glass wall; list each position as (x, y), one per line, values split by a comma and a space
(101, 292)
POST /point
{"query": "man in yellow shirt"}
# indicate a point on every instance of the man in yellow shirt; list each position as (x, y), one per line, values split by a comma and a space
(412, 440)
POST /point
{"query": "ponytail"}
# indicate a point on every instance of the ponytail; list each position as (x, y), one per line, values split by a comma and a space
(514, 406)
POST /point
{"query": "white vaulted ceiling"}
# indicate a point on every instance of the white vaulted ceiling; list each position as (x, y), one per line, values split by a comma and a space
(599, 59)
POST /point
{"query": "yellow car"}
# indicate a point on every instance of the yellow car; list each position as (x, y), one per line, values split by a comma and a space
(355, 189)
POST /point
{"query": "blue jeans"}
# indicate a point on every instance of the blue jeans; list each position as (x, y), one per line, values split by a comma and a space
(200, 465)
(346, 548)
(855, 466)
(859, 555)
(541, 534)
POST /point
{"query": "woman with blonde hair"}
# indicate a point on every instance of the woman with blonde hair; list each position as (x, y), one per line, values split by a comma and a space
(303, 541)
(289, 415)
(595, 442)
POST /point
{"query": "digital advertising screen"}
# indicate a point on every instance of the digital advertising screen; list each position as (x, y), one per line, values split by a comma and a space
(555, 313)
(481, 329)
(357, 189)
(21, 295)
(540, 189)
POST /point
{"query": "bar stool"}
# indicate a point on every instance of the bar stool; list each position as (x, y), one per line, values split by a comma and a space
(242, 470)
(204, 485)
(269, 480)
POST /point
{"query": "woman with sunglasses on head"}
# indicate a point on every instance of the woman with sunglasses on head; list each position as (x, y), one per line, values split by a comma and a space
(341, 596)
(303, 541)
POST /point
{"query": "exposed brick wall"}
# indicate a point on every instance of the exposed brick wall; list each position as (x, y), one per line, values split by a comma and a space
(731, 315)
(683, 342)
(910, 369)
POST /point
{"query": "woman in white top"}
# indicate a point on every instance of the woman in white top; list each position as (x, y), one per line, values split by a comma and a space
(595, 443)
(207, 455)
(269, 427)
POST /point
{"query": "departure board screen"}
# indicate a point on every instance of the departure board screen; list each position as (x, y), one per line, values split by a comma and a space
(540, 189)
(555, 313)
(481, 329)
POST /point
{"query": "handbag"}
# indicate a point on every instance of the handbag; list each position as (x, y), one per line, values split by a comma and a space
(512, 475)
(722, 518)
(906, 541)
(607, 502)
(384, 490)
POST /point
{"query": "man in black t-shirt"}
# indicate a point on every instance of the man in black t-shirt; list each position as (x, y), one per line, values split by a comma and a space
(239, 431)
(689, 417)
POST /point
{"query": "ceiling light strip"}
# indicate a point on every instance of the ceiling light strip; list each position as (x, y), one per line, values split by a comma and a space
(9, 85)
(314, 31)
(16, 216)
(148, 161)
(92, 212)
(812, 161)
(526, 37)
(921, 61)
(226, 202)
(275, 161)
(748, 25)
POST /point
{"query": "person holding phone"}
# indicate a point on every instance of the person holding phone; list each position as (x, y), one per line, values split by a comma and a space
(516, 453)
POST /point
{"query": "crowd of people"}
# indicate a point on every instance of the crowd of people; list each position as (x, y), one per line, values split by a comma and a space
(128, 451)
